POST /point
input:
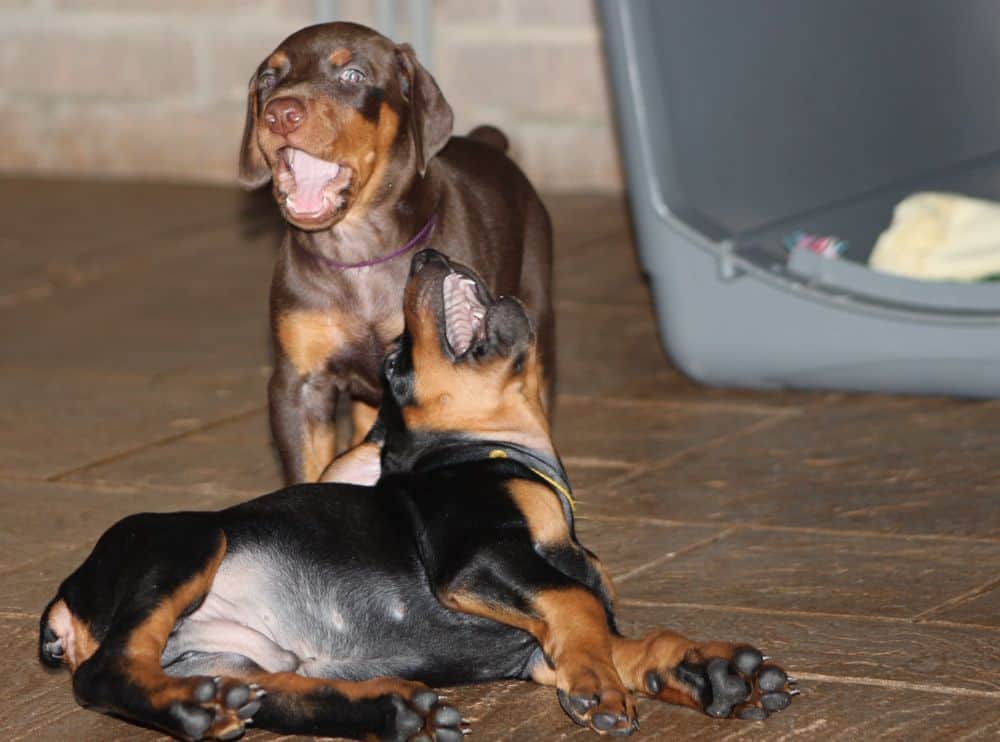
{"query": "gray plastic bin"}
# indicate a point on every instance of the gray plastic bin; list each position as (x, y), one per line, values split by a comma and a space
(740, 122)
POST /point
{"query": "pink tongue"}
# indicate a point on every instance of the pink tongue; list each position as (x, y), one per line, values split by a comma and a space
(311, 177)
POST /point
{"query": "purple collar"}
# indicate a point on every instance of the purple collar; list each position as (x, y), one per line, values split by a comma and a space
(414, 241)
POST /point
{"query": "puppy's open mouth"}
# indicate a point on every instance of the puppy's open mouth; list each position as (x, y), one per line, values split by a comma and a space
(313, 189)
(465, 307)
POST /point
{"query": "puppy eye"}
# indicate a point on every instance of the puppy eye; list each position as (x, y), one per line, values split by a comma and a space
(352, 76)
(519, 364)
(267, 81)
(390, 362)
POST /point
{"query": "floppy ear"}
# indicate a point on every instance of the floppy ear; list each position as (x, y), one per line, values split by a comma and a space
(254, 172)
(431, 118)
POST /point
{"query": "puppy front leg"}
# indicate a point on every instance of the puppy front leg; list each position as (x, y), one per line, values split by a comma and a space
(302, 422)
(722, 679)
(569, 622)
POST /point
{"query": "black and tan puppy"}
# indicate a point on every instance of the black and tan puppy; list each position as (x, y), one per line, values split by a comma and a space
(324, 608)
(356, 138)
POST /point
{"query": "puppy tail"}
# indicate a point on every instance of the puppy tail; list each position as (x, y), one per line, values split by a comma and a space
(491, 136)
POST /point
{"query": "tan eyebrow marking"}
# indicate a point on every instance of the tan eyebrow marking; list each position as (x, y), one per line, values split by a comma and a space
(278, 59)
(340, 56)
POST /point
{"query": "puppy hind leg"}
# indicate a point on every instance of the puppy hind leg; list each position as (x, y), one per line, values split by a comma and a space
(383, 708)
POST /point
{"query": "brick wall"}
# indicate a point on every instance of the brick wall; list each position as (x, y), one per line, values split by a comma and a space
(156, 88)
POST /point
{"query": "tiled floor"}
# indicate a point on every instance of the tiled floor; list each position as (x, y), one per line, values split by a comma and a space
(856, 538)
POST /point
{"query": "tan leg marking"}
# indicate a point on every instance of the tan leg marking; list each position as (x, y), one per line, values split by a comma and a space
(318, 448)
(292, 683)
(77, 641)
(571, 627)
(145, 644)
(660, 650)
(543, 512)
(362, 418)
(579, 643)
(309, 338)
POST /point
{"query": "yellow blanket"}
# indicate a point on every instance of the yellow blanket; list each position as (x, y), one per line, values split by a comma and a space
(941, 237)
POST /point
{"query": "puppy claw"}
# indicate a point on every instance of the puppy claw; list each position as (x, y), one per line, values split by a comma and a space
(775, 701)
(424, 700)
(751, 713)
(446, 716)
(234, 733)
(653, 682)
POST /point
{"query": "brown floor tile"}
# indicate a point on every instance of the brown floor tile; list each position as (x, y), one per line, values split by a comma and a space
(929, 656)
(626, 547)
(101, 224)
(153, 317)
(609, 351)
(579, 218)
(600, 271)
(867, 463)
(41, 518)
(823, 573)
(233, 457)
(55, 421)
(983, 610)
(645, 431)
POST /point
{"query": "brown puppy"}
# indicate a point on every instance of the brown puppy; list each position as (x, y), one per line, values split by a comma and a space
(356, 138)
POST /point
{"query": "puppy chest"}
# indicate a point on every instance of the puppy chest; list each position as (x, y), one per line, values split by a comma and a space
(342, 342)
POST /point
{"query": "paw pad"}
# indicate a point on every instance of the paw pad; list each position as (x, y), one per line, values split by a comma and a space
(727, 689)
(581, 710)
(745, 686)
(424, 719)
(217, 707)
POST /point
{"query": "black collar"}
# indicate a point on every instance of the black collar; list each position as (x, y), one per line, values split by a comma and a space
(539, 467)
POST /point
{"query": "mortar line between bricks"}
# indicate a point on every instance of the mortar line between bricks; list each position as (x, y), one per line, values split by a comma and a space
(56, 550)
(939, 537)
(45, 289)
(642, 568)
(958, 600)
(779, 416)
(594, 462)
(788, 612)
(747, 408)
(116, 488)
(897, 684)
(61, 476)
(32, 731)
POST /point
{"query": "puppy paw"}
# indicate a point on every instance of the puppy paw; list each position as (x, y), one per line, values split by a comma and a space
(421, 717)
(215, 708)
(740, 683)
(603, 704)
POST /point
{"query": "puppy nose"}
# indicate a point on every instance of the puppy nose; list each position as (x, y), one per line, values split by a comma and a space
(284, 115)
(424, 257)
